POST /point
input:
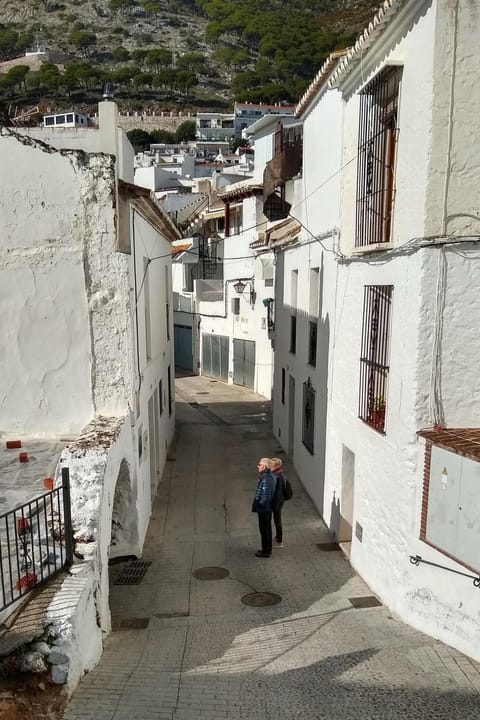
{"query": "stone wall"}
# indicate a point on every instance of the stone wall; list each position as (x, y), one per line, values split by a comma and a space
(161, 120)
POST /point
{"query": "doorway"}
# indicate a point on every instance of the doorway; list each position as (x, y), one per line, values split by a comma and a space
(291, 415)
(244, 363)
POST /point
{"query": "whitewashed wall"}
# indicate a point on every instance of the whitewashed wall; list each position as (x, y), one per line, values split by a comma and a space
(64, 287)
(154, 290)
(435, 292)
(319, 212)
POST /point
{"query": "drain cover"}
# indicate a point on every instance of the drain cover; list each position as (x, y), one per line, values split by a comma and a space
(328, 547)
(365, 602)
(210, 573)
(133, 624)
(261, 599)
(132, 574)
(202, 393)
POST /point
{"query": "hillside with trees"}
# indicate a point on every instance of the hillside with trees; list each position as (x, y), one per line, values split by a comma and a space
(166, 53)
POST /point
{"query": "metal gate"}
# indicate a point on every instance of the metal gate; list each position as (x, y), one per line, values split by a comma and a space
(183, 347)
(244, 363)
(215, 356)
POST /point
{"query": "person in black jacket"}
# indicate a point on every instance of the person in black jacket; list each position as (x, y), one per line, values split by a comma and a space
(262, 505)
(276, 466)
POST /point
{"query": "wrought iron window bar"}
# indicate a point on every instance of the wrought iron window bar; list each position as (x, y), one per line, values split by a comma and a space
(417, 559)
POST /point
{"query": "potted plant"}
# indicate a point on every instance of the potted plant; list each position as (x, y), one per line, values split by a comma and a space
(378, 412)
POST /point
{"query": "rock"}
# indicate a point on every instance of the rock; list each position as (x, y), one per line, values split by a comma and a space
(32, 662)
(59, 674)
(41, 647)
(57, 656)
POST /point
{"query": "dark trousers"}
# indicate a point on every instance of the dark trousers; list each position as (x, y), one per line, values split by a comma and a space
(277, 519)
(265, 527)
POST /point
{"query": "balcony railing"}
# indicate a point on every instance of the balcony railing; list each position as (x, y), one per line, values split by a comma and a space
(36, 542)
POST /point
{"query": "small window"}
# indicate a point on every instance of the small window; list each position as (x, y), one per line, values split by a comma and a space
(160, 396)
(308, 424)
(69, 118)
(140, 442)
(60, 120)
(283, 385)
(49, 121)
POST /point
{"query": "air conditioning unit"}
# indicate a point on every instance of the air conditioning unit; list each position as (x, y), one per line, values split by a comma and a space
(236, 306)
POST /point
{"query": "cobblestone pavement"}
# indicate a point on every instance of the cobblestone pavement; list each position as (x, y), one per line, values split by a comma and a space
(202, 653)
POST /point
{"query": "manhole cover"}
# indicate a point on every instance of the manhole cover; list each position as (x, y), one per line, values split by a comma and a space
(328, 547)
(261, 599)
(133, 624)
(132, 574)
(210, 573)
(365, 602)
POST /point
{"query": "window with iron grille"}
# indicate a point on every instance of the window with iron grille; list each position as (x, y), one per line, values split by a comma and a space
(308, 424)
(377, 136)
(312, 343)
(374, 356)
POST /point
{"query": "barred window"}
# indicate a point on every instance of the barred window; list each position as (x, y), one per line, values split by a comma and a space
(374, 356)
(377, 137)
(308, 424)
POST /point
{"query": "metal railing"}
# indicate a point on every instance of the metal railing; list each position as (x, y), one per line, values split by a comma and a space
(36, 542)
(417, 559)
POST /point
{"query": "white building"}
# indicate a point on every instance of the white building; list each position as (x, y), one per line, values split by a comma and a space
(213, 126)
(383, 426)
(85, 272)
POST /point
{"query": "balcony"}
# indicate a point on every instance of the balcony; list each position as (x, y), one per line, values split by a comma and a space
(283, 167)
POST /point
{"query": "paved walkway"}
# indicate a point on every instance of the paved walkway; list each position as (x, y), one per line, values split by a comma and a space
(187, 649)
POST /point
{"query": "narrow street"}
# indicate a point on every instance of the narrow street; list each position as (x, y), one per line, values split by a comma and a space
(186, 647)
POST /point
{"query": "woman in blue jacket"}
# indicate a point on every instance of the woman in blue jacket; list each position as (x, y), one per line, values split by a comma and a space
(262, 505)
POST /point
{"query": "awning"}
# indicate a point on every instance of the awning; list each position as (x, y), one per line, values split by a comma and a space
(461, 441)
(284, 233)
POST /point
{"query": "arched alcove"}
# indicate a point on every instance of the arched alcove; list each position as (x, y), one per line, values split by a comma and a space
(124, 532)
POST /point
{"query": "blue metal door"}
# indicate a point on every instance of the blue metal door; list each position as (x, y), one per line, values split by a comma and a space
(183, 347)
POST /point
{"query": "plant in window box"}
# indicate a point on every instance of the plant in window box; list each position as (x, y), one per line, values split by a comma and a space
(378, 412)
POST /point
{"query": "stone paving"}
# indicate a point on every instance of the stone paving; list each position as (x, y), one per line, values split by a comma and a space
(204, 654)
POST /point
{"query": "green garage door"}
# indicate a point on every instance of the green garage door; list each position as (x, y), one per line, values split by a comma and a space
(183, 347)
(215, 356)
(244, 363)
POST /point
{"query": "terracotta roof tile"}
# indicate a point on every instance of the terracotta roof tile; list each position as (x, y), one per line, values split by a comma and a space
(461, 441)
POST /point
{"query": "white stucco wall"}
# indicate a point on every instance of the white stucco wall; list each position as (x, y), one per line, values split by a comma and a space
(431, 344)
(317, 205)
(374, 483)
(153, 288)
(66, 350)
